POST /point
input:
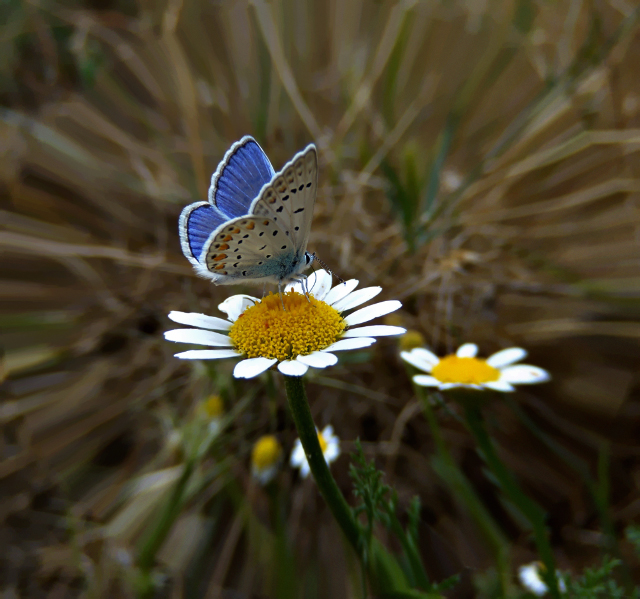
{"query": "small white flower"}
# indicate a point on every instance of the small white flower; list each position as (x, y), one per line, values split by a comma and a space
(531, 580)
(329, 443)
(304, 335)
(265, 459)
(463, 369)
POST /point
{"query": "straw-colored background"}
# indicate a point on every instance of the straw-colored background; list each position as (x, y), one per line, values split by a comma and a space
(478, 159)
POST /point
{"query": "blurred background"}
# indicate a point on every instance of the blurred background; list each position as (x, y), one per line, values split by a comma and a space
(479, 160)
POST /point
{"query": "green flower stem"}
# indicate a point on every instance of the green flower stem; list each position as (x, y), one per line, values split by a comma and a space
(446, 467)
(529, 508)
(326, 484)
(384, 572)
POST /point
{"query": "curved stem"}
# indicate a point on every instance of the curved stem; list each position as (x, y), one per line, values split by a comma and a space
(326, 484)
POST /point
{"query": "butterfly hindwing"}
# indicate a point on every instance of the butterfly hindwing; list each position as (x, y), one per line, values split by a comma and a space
(244, 170)
(290, 198)
(196, 223)
(249, 248)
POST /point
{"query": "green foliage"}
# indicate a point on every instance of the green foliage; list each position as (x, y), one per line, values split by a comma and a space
(633, 536)
(369, 488)
(598, 583)
(379, 503)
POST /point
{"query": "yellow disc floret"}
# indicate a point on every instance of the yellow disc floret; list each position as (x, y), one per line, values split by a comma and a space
(467, 371)
(304, 326)
(323, 442)
(213, 406)
(266, 452)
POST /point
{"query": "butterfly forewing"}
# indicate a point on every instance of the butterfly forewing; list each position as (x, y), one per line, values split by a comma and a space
(290, 198)
(239, 178)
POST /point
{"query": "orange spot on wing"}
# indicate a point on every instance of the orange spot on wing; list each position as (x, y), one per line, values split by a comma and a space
(219, 257)
(220, 266)
(265, 222)
(250, 225)
(236, 230)
(227, 238)
(224, 246)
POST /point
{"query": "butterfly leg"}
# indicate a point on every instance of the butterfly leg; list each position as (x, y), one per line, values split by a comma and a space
(280, 294)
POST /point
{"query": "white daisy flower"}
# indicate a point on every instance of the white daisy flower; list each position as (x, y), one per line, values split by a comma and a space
(265, 459)
(212, 409)
(531, 580)
(463, 369)
(303, 335)
(329, 443)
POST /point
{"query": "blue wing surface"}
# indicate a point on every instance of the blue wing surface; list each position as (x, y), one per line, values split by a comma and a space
(240, 177)
(197, 222)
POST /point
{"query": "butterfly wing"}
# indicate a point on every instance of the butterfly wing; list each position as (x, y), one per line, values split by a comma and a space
(269, 244)
(251, 248)
(197, 221)
(290, 197)
(237, 182)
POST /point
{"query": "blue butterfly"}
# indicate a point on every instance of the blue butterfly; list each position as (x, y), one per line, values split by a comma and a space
(255, 226)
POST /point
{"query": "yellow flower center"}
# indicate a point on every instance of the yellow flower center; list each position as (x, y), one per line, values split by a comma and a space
(411, 340)
(213, 406)
(323, 442)
(266, 330)
(266, 452)
(468, 371)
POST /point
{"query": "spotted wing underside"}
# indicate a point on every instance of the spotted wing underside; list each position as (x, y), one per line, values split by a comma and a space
(249, 248)
(290, 197)
(269, 243)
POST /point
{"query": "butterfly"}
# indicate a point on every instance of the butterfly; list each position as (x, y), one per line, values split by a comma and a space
(255, 226)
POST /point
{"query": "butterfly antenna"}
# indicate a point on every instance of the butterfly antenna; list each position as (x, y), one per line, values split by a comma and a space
(328, 269)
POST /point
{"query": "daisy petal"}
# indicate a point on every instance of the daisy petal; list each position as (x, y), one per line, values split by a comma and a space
(379, 330)
(524, 374)
(207, 354)
(292, 368)
(319, 284)
(468, 350)
(426, 381)
(198, 336)
(200, 320)
(356, 298)
(506, 357)
(297, 455)
(427, 356)
(236, 305)
(499, 386)
(319, 359)
(332, 451)
(341, 290)
(327, 433)
(251, 367)
(371, 312)
(355, 343)
(445, 386)
(416, 360)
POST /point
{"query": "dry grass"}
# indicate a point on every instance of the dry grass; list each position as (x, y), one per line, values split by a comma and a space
(509, 148)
